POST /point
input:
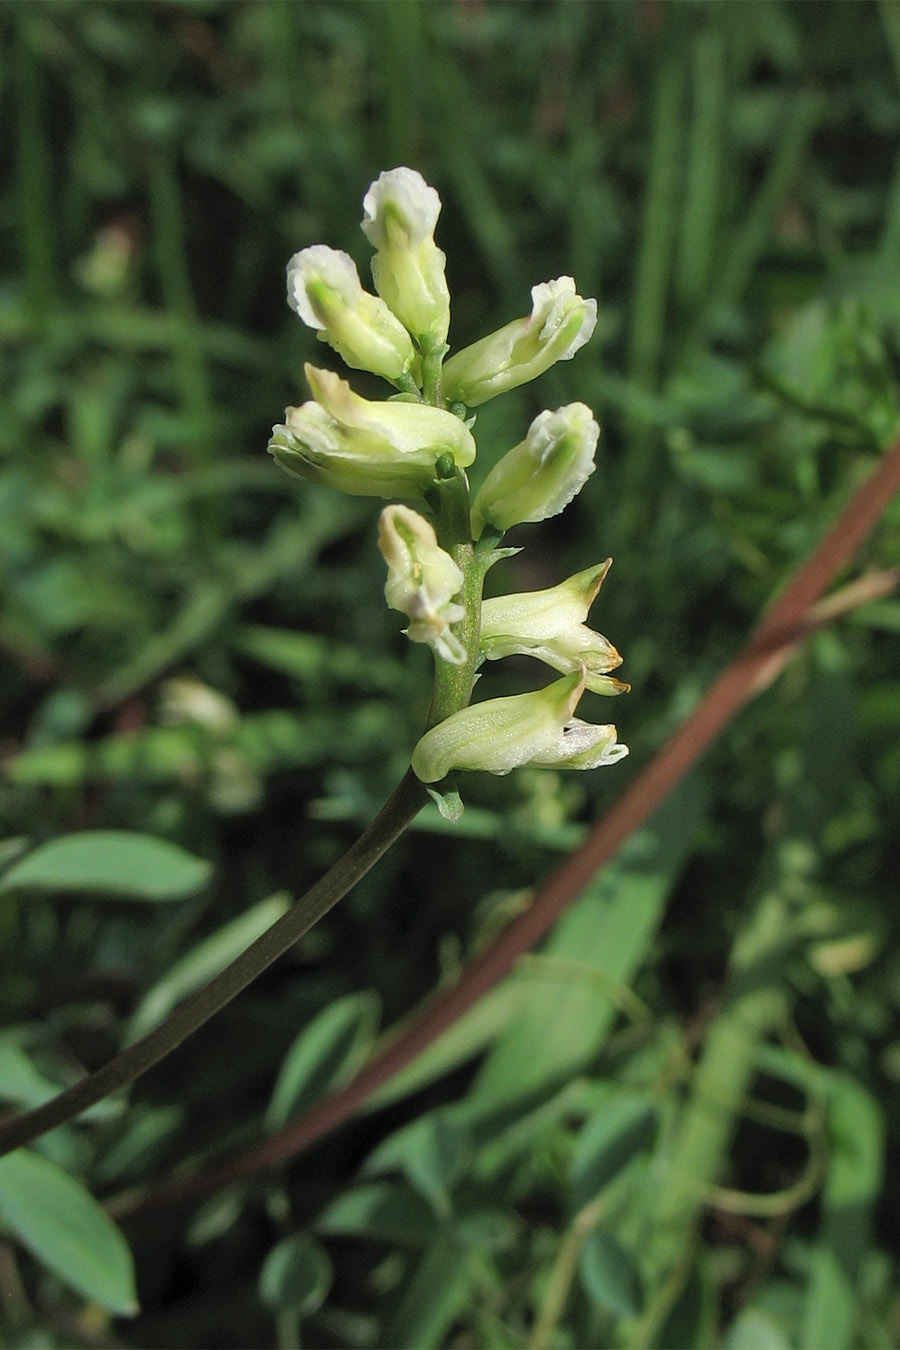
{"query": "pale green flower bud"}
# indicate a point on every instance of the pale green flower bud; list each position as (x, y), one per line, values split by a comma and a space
(540, 476)
(325, 290)
(401, 212)
(422, 581)
(368, 449)
(507, 733)
(549, 625)
(560, 324)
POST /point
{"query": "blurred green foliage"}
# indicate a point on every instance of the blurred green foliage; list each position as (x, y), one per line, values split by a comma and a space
(675, 1124)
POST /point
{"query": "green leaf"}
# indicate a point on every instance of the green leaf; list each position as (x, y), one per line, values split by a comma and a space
(384, 1211)
(608, 1142)
(565, 1017)
(431, 1152)
(754, 1328)
(324, 1054)
(265, 741)
(20, 1081)
(106, 863)
(60, 1223)
(320, 661)
(462, 1041)
(609, 1274)
(694, 1316)
(296, 1276)
(204, 961)
(852, 1187)
(437, 1294)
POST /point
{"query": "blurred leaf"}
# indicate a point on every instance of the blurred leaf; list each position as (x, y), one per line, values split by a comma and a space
(216, 1217)
(383, 1211)
(607, 1144)
(466, 1038)
(182, 754)
(852, 1187)
(57, 1220)
(693, 1318)
(142, 1136)
(112, 863)
(317, 660)
(204, 961)
(609, 1274)
(438, 1291)
(430, 1152)
(324, 1054)
(564, 1020)
(20, 1081)
(23, 1084)
(756, 1327)
(296, 1276)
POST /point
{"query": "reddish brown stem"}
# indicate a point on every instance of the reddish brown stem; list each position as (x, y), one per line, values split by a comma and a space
(769, 646)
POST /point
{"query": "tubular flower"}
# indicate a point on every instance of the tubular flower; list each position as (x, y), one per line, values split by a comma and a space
(400, 215)
(549, 625)
(422, 581)
(540, 476)
(325, 290)
(507, 733)
(560, 323)
(365, 448)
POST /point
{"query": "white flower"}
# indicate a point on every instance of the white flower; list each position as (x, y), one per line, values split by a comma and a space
(549, 625)
(370, 449)
(401, 213)
(559, 325)
(507, 733)
(540, 476)
(401, 210)
(422, 581)
(325, 290)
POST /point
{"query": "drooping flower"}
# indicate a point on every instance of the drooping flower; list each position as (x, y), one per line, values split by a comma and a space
(325, 290)
(370, 449)
(559, 325)
(540, 476)
(400, 215)
(502, 734)
(549, 625)
(422, 581)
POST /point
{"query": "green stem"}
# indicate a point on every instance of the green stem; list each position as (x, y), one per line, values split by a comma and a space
(453, 688)
(453, 684)
(563, 1273)
(393, 818)
(432, 361)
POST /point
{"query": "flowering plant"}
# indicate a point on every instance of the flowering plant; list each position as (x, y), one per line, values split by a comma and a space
(413, 449)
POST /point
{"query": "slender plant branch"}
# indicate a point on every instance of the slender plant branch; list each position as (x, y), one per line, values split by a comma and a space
(401, 807)
(452, 691)
(792, 616)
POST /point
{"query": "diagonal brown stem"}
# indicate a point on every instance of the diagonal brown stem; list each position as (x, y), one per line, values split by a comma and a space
(790, 618)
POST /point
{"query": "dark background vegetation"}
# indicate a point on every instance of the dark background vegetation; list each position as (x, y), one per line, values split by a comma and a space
(197, 647)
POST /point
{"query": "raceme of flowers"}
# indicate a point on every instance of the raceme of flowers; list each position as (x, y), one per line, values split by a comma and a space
(406, 448)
